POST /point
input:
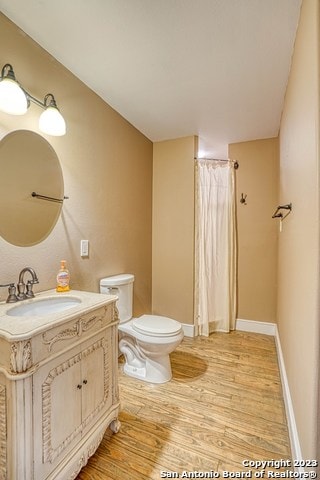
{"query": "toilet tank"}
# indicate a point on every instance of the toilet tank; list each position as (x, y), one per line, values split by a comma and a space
(122, 286)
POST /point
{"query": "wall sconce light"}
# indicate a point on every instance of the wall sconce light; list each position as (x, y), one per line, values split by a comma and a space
(15, 100)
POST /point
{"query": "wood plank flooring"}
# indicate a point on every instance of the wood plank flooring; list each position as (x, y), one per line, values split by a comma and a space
(224, 405)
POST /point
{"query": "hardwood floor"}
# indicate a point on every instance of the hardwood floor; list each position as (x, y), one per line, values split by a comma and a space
(223, 406)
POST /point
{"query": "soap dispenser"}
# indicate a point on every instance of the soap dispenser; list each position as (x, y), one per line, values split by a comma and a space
(63, 278)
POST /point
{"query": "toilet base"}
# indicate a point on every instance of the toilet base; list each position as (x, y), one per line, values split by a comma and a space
(152, 371)
(155, 369)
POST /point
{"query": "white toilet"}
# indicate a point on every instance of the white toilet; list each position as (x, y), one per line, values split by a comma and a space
(147, 341)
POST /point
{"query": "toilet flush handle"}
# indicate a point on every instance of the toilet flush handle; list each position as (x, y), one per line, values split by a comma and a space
(112, 290)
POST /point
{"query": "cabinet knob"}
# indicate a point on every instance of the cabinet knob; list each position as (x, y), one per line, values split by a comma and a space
(85, 382)
(79, 386)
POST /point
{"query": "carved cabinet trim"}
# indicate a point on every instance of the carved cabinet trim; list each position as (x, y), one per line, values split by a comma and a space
(3, 432)
(81, 326)
(20, 357)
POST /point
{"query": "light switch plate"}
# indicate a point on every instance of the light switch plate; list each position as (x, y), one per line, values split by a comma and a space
(84, 248)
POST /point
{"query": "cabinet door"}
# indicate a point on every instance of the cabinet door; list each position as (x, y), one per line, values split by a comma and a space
(65, 398)
(96, 363)
(57, 411)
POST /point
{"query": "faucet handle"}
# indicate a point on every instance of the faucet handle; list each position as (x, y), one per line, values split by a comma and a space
(29, 292)
(12, 297)
(12, 294)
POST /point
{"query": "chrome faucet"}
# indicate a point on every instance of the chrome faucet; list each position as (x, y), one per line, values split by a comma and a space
(22, 295)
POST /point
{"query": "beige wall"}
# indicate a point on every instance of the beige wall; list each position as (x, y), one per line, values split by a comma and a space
(258, 178)
(298, 306)
(173, 228)
(107, 167)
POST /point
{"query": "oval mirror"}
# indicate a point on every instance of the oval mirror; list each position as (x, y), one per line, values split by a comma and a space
(28, 164)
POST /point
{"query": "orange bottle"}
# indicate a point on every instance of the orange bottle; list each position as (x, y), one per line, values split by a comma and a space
(63, 278)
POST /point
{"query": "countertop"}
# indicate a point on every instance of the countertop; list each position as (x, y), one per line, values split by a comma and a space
(15, 328)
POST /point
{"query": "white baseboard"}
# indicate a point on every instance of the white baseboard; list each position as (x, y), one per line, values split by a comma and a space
(272, 329)
(292, 426)
(188, 329)
(253, 326)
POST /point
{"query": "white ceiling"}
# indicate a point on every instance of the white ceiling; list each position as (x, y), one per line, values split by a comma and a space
(172, 68)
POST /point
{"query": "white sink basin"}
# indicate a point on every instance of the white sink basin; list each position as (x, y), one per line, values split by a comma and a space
(43, 306)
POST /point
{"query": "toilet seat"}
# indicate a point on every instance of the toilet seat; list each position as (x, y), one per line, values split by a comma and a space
(156, 326)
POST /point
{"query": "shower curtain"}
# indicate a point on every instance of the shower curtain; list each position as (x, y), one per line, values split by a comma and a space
(215, 259)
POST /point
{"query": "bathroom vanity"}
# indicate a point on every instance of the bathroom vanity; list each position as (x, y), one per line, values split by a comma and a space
(58, 383)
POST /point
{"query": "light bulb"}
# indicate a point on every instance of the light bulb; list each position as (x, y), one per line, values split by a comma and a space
(52, 122)
(12, 98)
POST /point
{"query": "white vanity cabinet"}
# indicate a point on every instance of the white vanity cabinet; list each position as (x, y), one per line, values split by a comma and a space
(59, 391)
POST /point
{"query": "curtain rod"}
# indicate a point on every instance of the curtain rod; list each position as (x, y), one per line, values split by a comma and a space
(235, 162)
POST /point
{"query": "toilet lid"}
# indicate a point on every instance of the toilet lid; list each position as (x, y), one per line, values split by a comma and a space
(156, 325)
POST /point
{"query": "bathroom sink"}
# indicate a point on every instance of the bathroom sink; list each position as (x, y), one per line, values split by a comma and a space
(44, 306)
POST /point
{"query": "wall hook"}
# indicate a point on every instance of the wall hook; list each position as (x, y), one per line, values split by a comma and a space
(243, 199)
